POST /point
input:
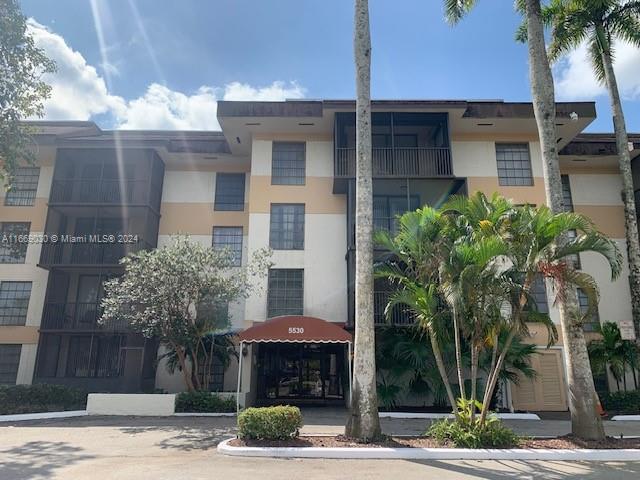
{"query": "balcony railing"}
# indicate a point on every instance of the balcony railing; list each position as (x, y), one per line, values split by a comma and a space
(77, 316)
(398, 162)
(112, 191)
(399, 315)
(85, 254)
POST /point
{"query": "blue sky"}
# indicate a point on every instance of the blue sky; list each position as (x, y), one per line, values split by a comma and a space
(173, 59)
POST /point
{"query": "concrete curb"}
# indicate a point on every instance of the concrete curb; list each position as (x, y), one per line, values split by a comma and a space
(204, 414)
(502, 416)
(626, 418)
(430, 453)
(42, 416)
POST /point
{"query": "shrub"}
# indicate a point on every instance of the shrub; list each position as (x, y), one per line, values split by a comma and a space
(473, 435)
(269, 423)
(204, 402)
(16, 399)
(621, 402)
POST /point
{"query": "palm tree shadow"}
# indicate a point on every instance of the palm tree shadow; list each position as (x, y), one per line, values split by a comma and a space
(185, 438)
(38, 459)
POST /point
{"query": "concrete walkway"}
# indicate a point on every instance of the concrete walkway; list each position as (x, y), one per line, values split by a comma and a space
(137, 448)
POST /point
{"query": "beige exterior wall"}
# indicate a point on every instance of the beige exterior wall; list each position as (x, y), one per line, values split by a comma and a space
(28, 271)
(325, 240)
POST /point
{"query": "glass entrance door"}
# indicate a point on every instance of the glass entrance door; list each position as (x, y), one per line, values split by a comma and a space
(290, 371)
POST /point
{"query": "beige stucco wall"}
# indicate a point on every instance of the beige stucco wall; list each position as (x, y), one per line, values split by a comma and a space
(28, 271)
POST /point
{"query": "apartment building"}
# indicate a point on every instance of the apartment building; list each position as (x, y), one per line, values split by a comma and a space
(279, 174)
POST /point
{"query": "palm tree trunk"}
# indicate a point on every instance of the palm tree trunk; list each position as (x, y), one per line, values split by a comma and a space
(363, 423)
(437, 353)
(628, 197)
(585, 421)
(456, 336)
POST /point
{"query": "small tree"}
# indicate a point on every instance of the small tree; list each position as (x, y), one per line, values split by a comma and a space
(22, 91)
(178, 294)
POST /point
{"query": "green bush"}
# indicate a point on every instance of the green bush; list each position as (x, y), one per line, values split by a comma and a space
(269, 423)
(16, 399)
(472, 435)
(204, 402)
(621, 402)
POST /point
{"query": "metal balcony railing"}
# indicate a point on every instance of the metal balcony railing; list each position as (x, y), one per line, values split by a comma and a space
(399, 315)
(76, 316)
(86, 254)
(398, 162)
(111, 192)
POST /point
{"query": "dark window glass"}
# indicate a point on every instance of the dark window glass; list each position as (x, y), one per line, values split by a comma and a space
(229, 192)
(288, 163)
(14, 302)
(12, 248)
(231, 238)
(590, 324)
(9, 361)
(286, 231)
(539, 294)
(23, 187)
(388, 208)
(575, 258)
(285, 292)
(514, 164)
(567, 200)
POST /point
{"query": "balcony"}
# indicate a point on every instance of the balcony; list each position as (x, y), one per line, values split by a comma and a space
(81, 316)
(421, 162)
(400, 317)
(103, 191)
(88, 254)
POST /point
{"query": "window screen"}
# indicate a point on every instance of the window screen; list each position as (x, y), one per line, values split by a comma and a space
(288, 163)
(285, 292)
(567, 200)
(14, 302)
(23, 187)
(9, 362)
(231, 238)
(539, 294)
(229, 192)
(514, 164)
(590, 324)
(13, 249)
(286, 231)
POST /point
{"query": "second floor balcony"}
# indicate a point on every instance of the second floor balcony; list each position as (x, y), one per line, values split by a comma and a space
(401, 162)
(77, 316)
(89, 254)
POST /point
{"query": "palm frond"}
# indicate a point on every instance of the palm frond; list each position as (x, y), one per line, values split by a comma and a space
(454, 10)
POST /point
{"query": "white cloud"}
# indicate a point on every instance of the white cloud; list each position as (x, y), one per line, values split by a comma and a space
(79, 93)
(575, 78)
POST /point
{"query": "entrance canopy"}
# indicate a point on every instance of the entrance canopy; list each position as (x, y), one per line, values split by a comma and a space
(295, 328)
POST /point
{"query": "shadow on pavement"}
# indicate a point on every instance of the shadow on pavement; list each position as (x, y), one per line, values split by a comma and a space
(35, 460)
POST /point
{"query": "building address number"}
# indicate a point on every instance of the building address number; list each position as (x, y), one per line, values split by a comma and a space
(296, 330)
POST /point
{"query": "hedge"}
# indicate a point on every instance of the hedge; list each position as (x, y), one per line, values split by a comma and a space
(204, 402)
(16, 399)
(621, 402)
(269, 423)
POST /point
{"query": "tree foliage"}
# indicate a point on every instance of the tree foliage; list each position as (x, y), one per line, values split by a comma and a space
(467, 271)
(179, 294)
(22, 90)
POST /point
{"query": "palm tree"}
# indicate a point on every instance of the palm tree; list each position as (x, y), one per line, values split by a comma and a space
(585, 420)
(480, 254)
(600, 23)
(363, 422)
(610, 352)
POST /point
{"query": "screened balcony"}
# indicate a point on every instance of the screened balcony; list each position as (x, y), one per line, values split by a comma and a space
(403, 145)
(98, 236)
(104, 176)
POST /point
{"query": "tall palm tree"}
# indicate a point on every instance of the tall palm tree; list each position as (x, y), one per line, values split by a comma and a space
(585, 420)
(363, 422)
(600, 23)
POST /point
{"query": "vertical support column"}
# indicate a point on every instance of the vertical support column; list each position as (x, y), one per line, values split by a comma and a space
(239, 378)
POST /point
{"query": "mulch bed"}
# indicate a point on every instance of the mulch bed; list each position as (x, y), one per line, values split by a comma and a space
(567, 442)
